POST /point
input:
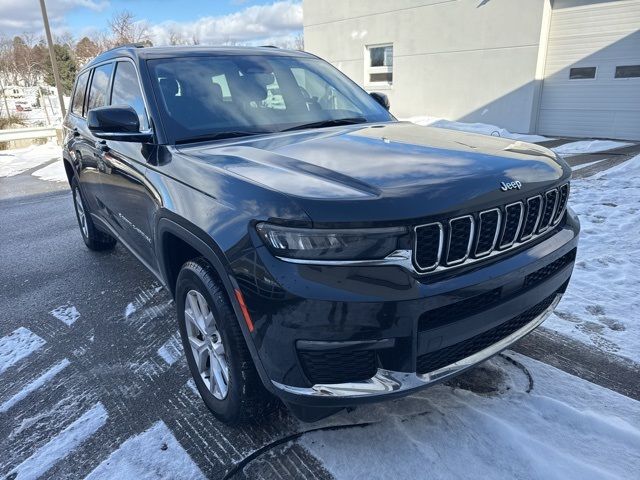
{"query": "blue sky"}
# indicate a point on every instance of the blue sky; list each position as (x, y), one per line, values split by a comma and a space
(158, 11)
(212, 21)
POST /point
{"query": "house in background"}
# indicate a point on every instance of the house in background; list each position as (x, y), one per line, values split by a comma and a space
(554, 67)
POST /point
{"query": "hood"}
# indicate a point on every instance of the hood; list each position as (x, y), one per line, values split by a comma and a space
(387, 172)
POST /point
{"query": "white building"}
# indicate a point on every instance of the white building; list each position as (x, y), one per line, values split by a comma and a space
(554, 67)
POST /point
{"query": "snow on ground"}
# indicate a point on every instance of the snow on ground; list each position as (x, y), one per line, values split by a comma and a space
(67, 314)
(481, 128)
(15, 161)
(153, 454)
(53, 173)
(61, 445)
(602, 304)
(564, 428)
(588, 146)
(34, 385)
(17, 345)
(171, 350)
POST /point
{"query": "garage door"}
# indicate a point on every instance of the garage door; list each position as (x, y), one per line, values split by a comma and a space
(592, 71)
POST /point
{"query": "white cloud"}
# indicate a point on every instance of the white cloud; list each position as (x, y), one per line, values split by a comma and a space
(256, 24)
(19, 16)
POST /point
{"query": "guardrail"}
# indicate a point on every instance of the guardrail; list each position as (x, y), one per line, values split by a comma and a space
(27, 133)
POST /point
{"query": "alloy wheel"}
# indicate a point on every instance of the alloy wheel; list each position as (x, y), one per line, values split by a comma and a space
(82, 216)
(206, 344)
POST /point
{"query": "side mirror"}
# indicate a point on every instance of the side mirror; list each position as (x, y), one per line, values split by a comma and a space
(119, 123)
(382, 99)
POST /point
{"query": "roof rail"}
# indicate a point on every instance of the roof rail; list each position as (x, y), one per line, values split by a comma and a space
(126, 45)
(268, 46)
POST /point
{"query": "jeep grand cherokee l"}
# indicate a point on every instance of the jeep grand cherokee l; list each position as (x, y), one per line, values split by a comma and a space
(318, 250)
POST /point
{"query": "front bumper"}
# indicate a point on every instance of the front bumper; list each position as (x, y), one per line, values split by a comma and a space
(386, 382)
(398, 314)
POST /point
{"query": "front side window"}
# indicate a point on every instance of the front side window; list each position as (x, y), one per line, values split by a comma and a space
(78, 94)
(215, 96)
(379, 64)
(99, 91)
(126, 91)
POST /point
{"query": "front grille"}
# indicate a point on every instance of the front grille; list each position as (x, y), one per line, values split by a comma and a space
(461, 240)
(550, 270)
(338, 366)
(432, 361)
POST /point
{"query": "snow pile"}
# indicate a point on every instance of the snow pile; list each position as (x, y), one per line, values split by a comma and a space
(602, 304)
(481, 128)
(52, 173)
(564, 428)
(588, 146)
(153, 454)
(13, 162)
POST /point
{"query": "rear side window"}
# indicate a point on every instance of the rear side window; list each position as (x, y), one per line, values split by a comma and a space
(78, 94)
(99, 91)
(126, 91)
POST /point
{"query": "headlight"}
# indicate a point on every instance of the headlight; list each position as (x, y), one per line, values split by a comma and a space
(326, 244)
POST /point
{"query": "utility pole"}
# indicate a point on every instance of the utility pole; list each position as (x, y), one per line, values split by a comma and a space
(52, 54)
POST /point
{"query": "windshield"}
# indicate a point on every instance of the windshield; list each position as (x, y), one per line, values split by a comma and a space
(230, 96)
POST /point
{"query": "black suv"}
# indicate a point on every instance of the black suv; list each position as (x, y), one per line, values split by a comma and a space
(318, 250)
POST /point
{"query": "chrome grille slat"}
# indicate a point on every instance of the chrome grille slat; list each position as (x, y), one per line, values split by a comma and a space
(518, 210)
(563, 198)
(532, 219)
(465, 241)
(481, 232)
(465, 222)
(435, 227)
(549, 210)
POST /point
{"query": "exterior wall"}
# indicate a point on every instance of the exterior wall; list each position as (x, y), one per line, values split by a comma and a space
(468, 60)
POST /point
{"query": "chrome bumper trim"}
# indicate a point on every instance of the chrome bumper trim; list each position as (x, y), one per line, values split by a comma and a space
(389, 381)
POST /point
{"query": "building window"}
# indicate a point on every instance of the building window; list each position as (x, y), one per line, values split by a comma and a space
(582, 73)
(379, 65)
(628, 71)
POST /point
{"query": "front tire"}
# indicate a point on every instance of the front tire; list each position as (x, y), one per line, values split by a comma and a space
(216, 352)
(93, 238)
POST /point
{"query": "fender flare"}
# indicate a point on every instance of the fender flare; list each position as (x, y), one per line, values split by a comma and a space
(205, 245)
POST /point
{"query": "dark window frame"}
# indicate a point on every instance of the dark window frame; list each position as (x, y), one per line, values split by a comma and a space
(583, 69)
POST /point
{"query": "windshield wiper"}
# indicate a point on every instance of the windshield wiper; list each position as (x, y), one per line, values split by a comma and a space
(328, 123)
(219, 136)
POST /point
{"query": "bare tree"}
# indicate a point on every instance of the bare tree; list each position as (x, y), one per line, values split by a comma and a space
(126, 29)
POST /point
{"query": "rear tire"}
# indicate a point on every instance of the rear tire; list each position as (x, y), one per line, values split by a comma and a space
(215, 347)
(93, 238)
